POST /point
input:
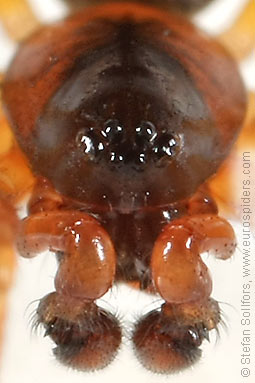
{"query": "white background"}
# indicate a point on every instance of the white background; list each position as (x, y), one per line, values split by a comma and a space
(27, 356)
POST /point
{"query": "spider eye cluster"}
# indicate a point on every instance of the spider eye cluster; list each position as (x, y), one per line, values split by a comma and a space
(157, 147)
(115, 145)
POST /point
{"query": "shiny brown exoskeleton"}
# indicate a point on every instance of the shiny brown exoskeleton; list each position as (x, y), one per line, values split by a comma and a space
(124, 112)
(177, 5)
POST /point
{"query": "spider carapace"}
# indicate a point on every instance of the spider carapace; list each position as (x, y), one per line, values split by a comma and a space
(124, 112)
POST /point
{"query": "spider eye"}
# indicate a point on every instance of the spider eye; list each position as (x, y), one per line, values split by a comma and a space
(85, 143)
(89, 144)
(166, 146)
(113, 131)
(146, 130)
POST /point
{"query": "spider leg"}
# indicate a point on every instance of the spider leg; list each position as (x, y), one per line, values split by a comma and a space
(7, 217)
(16, 179)
(6, 135)
(8, 227)
(18, 18)
(239, 39)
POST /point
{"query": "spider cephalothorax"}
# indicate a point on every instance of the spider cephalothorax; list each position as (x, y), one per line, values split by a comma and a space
(124, 113)
(121, 101)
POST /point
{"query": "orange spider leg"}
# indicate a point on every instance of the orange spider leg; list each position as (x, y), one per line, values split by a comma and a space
(18, 18)
(6, 135)
(7, 258)
(239, 39)
(8, 226)
(15, 181)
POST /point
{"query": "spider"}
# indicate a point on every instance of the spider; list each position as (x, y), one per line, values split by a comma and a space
(125, 116)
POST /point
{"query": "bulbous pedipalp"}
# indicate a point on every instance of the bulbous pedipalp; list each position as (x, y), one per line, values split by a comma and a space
(169, 339)
(86, 336)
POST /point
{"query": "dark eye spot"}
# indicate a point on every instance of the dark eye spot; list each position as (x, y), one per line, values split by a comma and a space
(83, 140)
(88, 143)
(146, 131)
(166, 146)
(113, 131)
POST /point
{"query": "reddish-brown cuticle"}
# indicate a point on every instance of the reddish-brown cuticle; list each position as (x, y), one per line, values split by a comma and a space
(216, 236)
(180, 5)
(8, 230)
(205, 311)
(8, 222)
(168, 340)
(202, 203)
(87, 265)
(178, 272)
(187, 5)
(86, 336)
(44, 197)
(158, 348)
(127, 139)
(123, 112)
